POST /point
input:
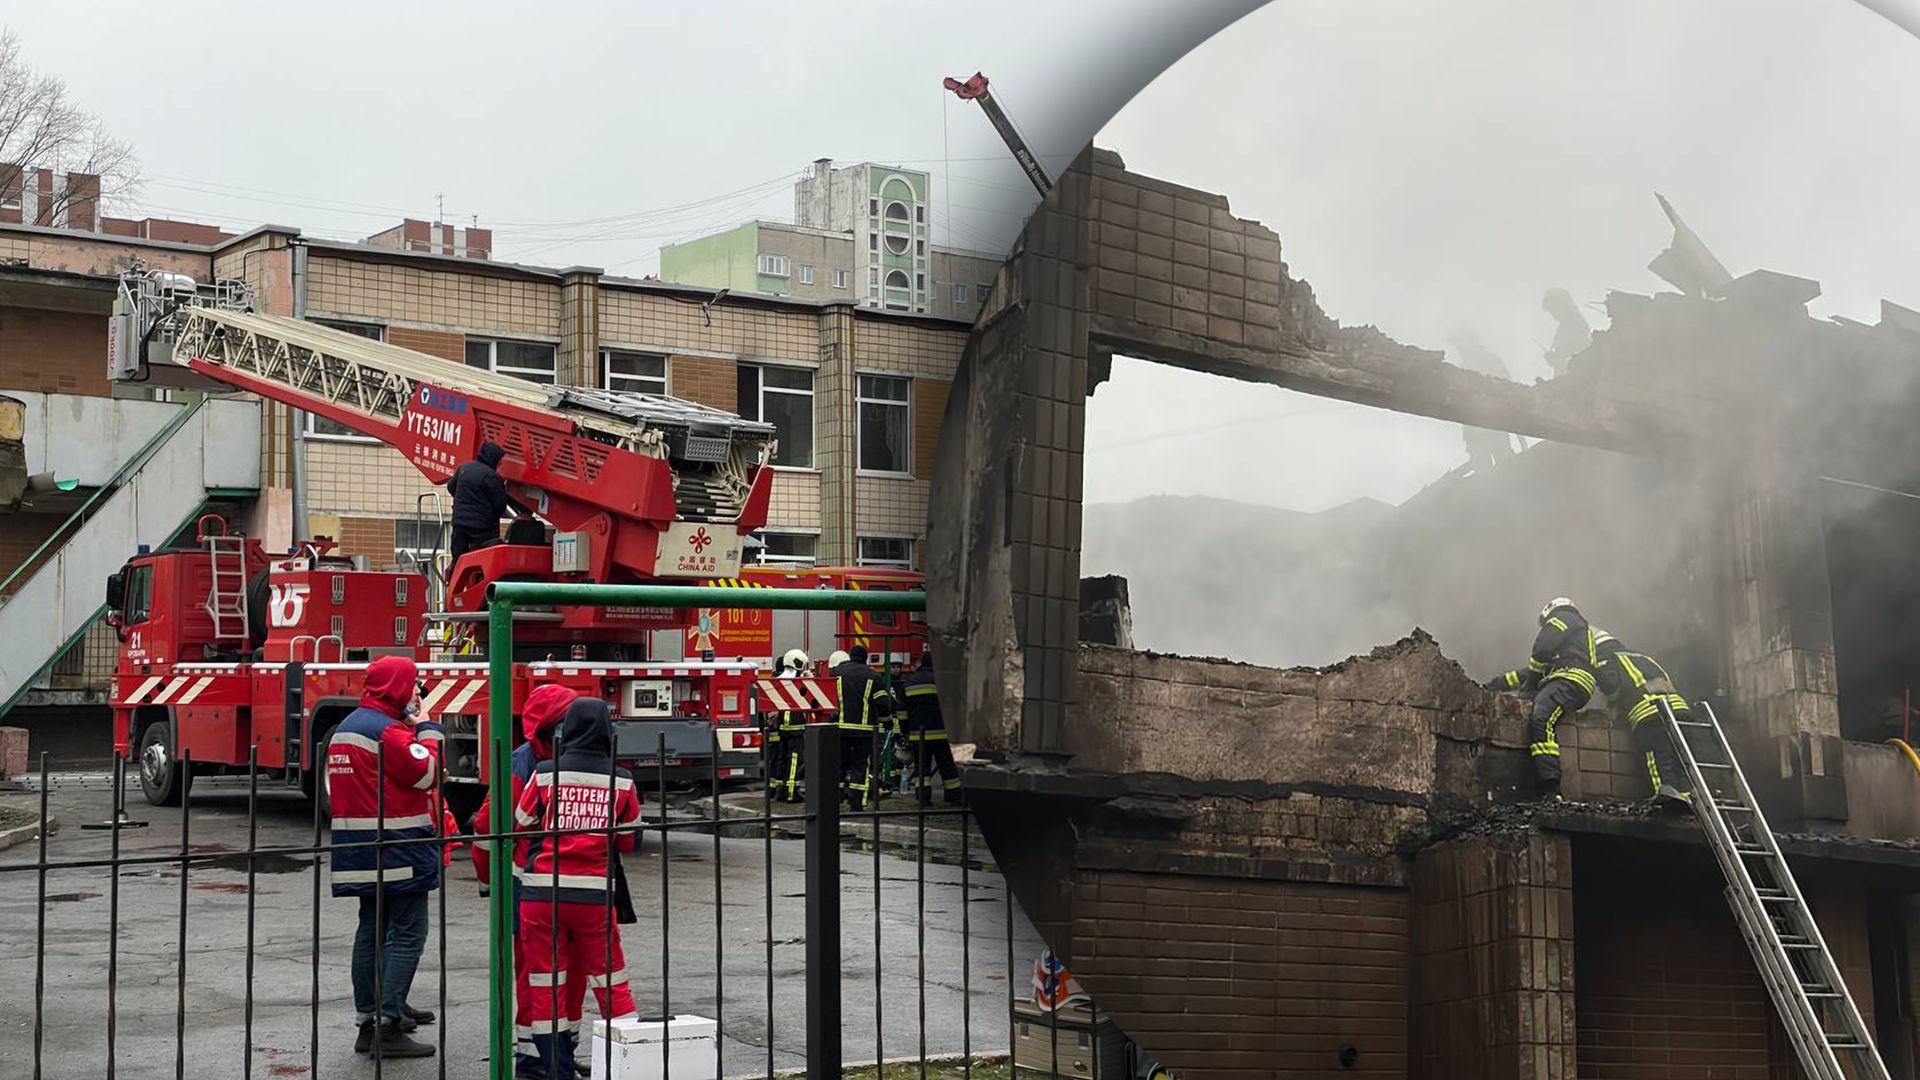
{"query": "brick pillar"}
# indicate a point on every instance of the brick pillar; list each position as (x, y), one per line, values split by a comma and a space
(579, 358)
(1492, 943)
(835, 446)
(1782, 687)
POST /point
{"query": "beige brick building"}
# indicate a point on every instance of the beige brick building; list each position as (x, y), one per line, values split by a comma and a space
(855, 393)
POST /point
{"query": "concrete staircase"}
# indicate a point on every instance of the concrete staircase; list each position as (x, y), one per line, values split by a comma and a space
(210, 449)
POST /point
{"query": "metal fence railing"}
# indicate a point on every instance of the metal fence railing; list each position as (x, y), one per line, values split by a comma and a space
(203, 940)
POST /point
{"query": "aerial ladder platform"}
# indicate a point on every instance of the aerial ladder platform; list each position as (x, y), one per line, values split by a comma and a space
(1811, 998)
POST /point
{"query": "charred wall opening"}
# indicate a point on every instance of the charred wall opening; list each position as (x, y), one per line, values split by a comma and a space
(1874, 579)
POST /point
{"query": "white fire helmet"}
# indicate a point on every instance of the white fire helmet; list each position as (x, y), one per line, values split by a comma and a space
(1553, 605)
(795, 660)
(839, 657)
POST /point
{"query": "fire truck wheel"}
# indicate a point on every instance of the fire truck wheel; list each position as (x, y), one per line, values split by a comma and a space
(162, 780)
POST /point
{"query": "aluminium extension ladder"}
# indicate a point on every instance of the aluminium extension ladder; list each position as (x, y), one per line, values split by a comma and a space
(1808, 992)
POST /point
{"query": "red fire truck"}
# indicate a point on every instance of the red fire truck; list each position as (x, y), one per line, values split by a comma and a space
(763, 636)
(229, 650)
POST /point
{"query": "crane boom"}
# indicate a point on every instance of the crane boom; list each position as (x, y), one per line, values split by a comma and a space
(975, 89)
(638, 476)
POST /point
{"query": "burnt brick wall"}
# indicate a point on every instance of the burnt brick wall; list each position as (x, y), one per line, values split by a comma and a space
(1493, 959)
(1597, 760)
(1667, 988)
(1224, 979)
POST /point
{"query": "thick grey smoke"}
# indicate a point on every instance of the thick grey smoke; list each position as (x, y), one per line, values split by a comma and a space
(1483, 176)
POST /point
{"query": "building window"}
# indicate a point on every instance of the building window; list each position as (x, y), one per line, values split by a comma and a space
(984, 291)
(873, 276)
(839, 279)
(897, 279)
(806, 274)
(895, 551)
(786, 549)
(897, 244)
(415, 543)
(920, 214)
(634, 372)
(897, 211)
(783, 397)
(529, 360)
(920, 282)
(883, 435)
(873, 206)
(959, 294)
(319, 426)
(774, 265)
(873, 241)
(920, 248)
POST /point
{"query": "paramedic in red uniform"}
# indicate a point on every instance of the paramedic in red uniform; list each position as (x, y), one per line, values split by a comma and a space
(382, 739)
(565, 919)
(538, 717)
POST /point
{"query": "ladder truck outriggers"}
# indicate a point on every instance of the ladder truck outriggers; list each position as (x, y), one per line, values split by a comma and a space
(229, 651)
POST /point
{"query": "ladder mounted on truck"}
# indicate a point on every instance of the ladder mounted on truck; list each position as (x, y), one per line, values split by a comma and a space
(1812, 999)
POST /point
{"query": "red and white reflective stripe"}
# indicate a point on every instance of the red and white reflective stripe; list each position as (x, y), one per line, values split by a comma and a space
(180, 690)
(451, 696)
(795, 695)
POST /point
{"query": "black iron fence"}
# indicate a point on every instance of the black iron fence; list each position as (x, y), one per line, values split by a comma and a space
(827, 935)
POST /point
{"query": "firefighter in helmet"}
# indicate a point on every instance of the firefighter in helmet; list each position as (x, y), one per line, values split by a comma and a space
(785, 730)
(1561, 675)
(864, 704)
(926, 733)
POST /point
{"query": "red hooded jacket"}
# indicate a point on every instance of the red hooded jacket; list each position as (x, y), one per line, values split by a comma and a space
(538, 717)
(373, 742)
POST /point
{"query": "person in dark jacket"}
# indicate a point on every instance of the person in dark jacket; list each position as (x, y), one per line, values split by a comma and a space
(568, 878)
(1561, 674)
(864, 703)
(480, 499)
(926, 733)
(383, 766)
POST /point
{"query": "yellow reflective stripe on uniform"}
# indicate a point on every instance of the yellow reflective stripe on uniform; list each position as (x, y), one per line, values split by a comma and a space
(1556, 623)
(1545, 749)
(1577, 676)
(1536, 665)
(927, 736)
(922, 691)
(1633, 671)
(1512, 678)
(1646, 707)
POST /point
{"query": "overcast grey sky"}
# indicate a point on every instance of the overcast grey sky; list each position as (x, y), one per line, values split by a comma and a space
(1437, 166)
(589, 132)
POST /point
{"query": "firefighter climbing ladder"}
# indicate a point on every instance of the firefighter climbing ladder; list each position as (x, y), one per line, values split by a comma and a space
(1793, 959)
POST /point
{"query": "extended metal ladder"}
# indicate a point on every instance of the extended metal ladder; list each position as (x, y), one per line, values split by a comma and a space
(227, 591)
(1794, 962)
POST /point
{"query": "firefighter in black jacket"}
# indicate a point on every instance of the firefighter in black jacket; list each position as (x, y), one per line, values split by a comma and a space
(1636, 685)
(785, 733)
(926, 734)
(864, 703)
(1561, 674)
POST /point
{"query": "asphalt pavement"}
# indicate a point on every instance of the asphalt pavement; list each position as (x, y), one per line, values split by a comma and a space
(112, 980)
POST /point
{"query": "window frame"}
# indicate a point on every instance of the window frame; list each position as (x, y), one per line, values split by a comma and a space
(981, 293)
(840, 279)
(402, 554)
(806, 273)
(607, 374)
(906, 212)
(140, 590)
(784, 262)
(493, 358)
(309, 428)
(812, 559)
(904, 404)
(812, 394)
(910, 543)
(959, 294)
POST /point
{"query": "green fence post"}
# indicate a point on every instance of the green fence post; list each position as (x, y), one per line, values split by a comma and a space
(498, 750)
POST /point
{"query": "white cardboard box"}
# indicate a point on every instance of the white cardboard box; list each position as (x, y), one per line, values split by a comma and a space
(686, 1043)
